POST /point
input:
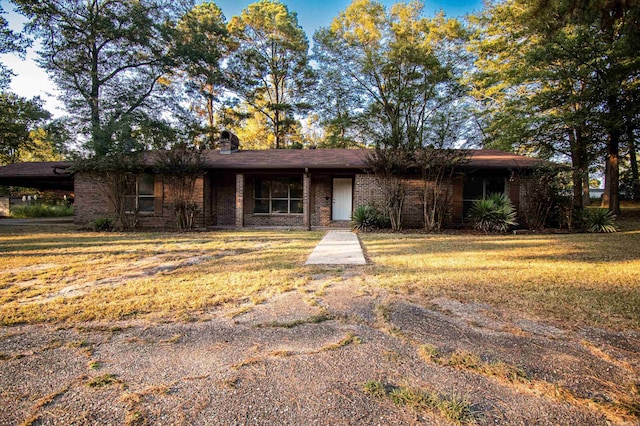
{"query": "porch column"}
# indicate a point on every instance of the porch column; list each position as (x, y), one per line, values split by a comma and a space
(239, 200)
(306, 203)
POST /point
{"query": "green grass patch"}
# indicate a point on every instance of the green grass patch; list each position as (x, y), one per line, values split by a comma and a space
(102, 381)
(314, 319)
(452, 407)
(349, 339)
(41, 210)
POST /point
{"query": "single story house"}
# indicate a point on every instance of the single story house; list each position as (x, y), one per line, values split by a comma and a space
(289, 188)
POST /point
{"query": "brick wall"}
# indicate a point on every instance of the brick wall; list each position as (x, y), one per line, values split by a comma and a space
(320, 201)
(371, 189)
(215, 194)
(91, 201)
(223, 201)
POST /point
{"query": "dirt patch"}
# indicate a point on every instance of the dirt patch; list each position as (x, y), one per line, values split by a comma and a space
(304, 357)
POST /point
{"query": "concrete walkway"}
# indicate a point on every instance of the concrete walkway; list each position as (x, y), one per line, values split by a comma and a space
(338, 248)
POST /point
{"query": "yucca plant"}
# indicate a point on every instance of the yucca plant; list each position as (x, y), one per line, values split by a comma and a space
(365, 218)
(493, 214)
(600, 220)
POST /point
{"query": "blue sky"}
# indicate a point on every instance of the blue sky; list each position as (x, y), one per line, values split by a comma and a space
(313, 14)
(32, 81)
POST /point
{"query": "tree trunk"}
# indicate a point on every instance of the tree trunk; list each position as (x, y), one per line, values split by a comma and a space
(578, 165)
(586, 196)
(611, 200)
(633, 160)
(98, 142)
(211, 121)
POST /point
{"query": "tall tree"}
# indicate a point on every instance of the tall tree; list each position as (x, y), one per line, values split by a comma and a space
(399, 64)
(106, 56)
(534, 93)
(336, 105)
(200, 42)
(269, 67)
(10, 42)
(18, 118)
(395, 72)
(555, 74)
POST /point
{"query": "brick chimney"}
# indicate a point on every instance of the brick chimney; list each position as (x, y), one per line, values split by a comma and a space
(228, 142)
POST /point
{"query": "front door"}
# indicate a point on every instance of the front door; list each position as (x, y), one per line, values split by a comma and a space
(342, 199)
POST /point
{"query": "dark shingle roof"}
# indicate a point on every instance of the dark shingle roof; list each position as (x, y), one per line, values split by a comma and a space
(287, 159)
(494, 159)
(48, 175)
(344, 159)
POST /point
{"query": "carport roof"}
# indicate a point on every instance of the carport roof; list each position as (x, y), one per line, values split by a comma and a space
(40, 175)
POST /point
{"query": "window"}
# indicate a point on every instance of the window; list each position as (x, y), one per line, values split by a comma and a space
(139, 196)
(278, 196)
(479, 188)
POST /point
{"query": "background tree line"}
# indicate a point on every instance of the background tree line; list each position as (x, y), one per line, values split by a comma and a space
(550, 78)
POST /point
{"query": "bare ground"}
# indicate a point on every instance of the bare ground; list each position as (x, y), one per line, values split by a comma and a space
(304, 357)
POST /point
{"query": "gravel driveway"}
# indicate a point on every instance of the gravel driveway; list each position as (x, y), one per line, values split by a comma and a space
(304, 357)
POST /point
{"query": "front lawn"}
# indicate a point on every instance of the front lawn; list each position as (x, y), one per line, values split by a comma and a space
(70, 275)
(66, 275)
(581, 279)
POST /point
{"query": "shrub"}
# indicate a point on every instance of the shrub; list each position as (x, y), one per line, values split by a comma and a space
(186, 212)
(599, 220)
(103, 224)
(540, 192)
(41, 210)
(493, 214)
(367, 218)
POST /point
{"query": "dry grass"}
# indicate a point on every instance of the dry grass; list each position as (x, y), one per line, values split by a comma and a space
(76, 276)
(66, 275)
(588, 279)
(452, 407)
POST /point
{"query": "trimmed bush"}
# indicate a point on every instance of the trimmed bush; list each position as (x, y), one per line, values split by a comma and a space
(493, 214)
(599, 220)
(103, 224)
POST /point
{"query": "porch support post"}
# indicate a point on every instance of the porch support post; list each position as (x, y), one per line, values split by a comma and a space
(306, 203)
(239, 200)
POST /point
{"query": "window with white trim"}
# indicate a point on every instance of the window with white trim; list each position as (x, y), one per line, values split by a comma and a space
(278, 196)
(139, 196)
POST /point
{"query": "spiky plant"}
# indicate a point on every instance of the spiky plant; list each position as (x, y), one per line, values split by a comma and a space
(600, 220)
(365, 218)
(493, 214)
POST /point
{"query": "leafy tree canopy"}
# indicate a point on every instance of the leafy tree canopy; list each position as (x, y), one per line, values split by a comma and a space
(390, 70)
(10, 42)
(108, 57)
(18, 118)
(268, 68)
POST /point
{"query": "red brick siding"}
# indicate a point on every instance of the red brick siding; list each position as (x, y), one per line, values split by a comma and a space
(223, 191)
(92, 202)
(457, 199)
(321, 200)
(369, 189)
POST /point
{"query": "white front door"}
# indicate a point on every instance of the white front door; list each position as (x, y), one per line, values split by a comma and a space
(342, 199)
